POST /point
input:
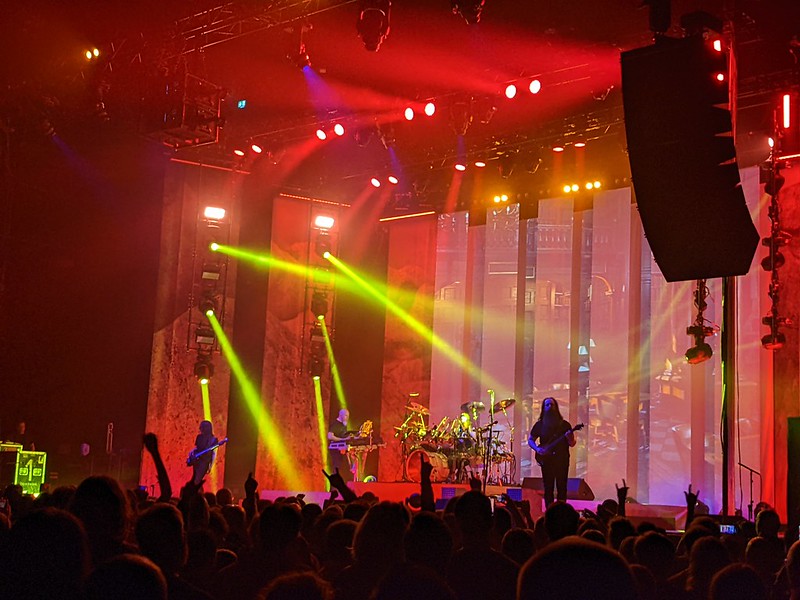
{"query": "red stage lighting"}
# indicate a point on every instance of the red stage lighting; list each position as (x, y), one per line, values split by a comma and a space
(256, 148)
(238, 152)
(461, 166)
(511, 91)
(375, 182)
(408, 113)
(430, 109)
(338, 129)
(321, 135)
(393, 180)
(535, 87)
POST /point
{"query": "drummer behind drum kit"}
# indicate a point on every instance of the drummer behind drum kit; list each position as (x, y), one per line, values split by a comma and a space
(459, 447)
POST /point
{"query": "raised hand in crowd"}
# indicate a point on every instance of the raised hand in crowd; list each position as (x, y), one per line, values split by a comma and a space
(150, 442)
(622, 497)
(336, 482)
(691, 503)
(428, 502)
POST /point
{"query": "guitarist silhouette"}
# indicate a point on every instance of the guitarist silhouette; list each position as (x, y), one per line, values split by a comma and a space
(551, 438)
(202, 464)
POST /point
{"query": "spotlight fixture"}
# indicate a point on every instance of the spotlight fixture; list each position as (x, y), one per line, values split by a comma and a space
(203, 371)
(338, 129)
(324, 222)
(208, 307)
(701, 351)
(321, 135)
(511, 91)
(256, 148)
(301, 59)
(373, 23)
(322, 244)
(204, 336)
(239, 152)
(470, 10)
(210, 272)
(317, 367)
(214, 213)
(408, 113)
(393, 180)
(558, 148)
(460, 166)
(480, 163)
(430, 109)
(376, 183)
(535, 86)
(319, 304)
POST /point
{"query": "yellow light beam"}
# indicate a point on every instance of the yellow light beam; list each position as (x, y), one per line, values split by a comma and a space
(337, 381)
(425, 332)
(323, 428)
(267, 430)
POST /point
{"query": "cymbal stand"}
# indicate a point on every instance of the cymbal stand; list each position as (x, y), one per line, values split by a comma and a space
(488, 453)
(512, 477)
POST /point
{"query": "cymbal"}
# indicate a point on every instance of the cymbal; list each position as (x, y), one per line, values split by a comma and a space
(505, 403)
(473, 407)
(417, 408)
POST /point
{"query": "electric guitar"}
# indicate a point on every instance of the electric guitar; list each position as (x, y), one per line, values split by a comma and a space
(195, 456)
(547, 451)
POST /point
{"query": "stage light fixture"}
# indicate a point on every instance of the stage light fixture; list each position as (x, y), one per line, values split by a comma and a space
(597, 184)
(214, 213)
(317, 368)
(408, 113)
(480, 163)
(338, 129)
(580, 144)
(208, 307)
(256, 148)
(319, 304)
(470, 10)
(213, 246)
(511, 91)
(567, 189)
(204, 336)
(301, 60)
(430, 109)
(698, 353)
(88, 55)
(773, 341)
(203, 371)
(558, 148)
(376, 183)
(373, 23)
(460, 166)
(589, 185)
(239, 152)
(535, 86)
(322, 244)
(324, 222)
(575, 187)
(393, 180)
(717, 45)
(772, 261)
(321, 135)
(210, 272)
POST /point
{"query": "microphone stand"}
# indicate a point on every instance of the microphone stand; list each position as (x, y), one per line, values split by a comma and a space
(750, 506)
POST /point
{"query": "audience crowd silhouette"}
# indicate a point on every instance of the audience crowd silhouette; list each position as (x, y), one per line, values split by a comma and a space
(96, 541)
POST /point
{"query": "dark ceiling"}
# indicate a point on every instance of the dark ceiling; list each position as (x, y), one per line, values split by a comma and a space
(572, 46)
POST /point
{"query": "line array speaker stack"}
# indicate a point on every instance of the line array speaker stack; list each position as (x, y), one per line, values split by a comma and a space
(683, 160)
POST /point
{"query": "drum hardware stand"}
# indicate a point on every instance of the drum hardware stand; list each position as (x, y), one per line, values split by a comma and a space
(488, 454)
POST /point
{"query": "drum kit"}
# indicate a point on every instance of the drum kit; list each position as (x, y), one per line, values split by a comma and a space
(458, 448)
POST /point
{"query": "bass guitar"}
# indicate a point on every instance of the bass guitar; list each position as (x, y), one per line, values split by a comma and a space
(195, 455)
(547, 451)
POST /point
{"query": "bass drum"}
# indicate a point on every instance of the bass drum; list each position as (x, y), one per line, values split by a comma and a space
(438, 461)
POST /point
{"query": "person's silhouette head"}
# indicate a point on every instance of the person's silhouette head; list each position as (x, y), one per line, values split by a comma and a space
(127, 577)
(576, 568)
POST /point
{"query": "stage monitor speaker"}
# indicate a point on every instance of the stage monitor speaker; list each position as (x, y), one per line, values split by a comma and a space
(683, 161)
(577, 488)
(793, 478)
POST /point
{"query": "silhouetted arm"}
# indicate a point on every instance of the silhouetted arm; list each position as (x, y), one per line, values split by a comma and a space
(622, 497)
(426, 487)
(338, 483)
(164, 486)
